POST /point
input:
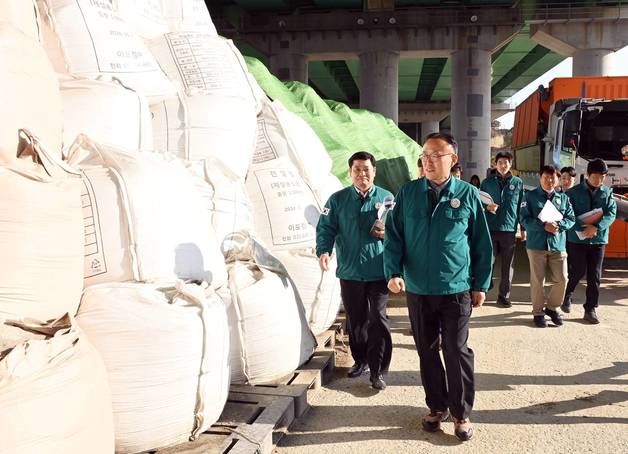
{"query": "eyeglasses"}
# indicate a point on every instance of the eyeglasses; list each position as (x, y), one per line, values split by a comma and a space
(434, 157)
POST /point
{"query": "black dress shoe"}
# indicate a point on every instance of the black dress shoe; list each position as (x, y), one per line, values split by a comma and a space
(357, 370)
(555, 316)
(377, 382)
(539, 321)
(591, 317)
(431, 422)
(503, 302)
(566, 306)
(463, 429)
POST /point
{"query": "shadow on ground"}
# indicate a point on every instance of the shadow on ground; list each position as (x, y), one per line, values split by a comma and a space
(321, 420)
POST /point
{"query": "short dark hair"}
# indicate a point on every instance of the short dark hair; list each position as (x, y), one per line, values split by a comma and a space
(549, 168)
(456, 166)
(361, 156)
(597, 166)
(503, 154)
(570, 170)
(444, 136)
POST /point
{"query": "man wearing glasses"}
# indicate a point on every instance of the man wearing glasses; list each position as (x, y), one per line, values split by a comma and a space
(438, 249)
(350, 221)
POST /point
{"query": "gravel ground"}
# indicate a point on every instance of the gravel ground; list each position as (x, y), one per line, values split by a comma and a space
(554, 390)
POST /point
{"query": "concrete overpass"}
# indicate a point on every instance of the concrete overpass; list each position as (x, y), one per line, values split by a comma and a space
(422, 61)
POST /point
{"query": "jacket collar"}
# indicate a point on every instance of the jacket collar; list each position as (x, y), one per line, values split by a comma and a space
(357, 195)
(450, 188)
(541, 192)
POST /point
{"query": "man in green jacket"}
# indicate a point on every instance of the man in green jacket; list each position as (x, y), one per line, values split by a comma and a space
(546, 243)
(349, 221)
(438, 249)
(502, 217)
(587, 239)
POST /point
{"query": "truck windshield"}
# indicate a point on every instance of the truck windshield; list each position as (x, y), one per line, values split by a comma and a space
(604, 134)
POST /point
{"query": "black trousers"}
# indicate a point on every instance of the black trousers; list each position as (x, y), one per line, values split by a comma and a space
(451, 386)
(368, 325)
(581, 259)
(504, 247)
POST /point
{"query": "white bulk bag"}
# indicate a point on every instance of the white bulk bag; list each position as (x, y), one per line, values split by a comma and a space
(54, 395)
(89, 39)
(259, 93)
(144, 17)
(284, 205)
(319, 290)
(107, 112)
(330, 185)
(22, 15)
(269, 338)
(203, 63)
(307, 152)
(29, 92)
(214, 114)
(41, 238)
(229, 205)
(207, 126)
(167, 357)
(146, 218)
(152, 18)
(188, 16)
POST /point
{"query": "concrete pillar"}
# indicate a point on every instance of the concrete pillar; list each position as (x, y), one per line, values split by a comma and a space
(471, 108)
(593, 62)
(379, 82)
(411, 130)
(428, 127)
(289, 66)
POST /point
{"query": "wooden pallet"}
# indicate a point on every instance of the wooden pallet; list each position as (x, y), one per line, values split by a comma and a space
(327, 339)
(249, 424)
(316, 372)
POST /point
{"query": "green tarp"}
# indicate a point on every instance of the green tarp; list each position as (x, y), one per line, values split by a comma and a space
(344, 131)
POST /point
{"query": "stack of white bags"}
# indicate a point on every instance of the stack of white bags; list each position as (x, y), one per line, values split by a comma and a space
(158, 221)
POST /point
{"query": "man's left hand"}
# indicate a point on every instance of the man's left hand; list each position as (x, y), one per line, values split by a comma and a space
(477, 298)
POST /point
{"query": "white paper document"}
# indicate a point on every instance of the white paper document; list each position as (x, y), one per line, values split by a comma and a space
(550, 213)
(486, 198)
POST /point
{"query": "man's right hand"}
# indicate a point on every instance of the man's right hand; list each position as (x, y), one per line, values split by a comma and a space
(323, 261)
(396, 285)
(492, 208)
(551, 227)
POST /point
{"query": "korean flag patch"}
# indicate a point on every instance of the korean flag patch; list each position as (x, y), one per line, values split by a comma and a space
(325, 211)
